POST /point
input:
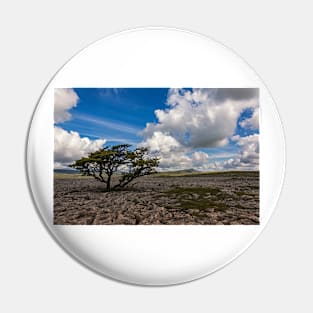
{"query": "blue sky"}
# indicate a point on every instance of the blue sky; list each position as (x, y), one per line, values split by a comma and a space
(120, 115)
(115, 114)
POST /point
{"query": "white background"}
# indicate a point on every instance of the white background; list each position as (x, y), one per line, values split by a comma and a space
(274, 274)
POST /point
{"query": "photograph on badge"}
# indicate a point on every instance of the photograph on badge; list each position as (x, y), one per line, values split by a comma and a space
(156, 156)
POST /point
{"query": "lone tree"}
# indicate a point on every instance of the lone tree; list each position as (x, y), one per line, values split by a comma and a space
(129, 164)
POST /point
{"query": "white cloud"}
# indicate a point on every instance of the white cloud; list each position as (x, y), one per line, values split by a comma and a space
(197, 119)
(201, 118)
(171, 153)
(200, 158)
(69, 146)
(164, 143)
(174, 156)
(253, 121)
(174, 162)
(64, 100)
(248, 157)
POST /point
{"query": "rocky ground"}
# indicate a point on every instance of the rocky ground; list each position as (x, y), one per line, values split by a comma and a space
(219, 199)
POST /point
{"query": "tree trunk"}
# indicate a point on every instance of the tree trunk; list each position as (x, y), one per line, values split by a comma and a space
(109, 182)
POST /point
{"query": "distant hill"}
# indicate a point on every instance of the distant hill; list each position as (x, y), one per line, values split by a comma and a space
(189, 171)
(66, 171)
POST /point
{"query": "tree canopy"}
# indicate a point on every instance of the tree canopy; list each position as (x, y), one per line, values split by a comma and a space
(127, 164)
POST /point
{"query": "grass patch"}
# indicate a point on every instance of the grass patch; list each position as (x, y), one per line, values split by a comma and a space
(198, 198)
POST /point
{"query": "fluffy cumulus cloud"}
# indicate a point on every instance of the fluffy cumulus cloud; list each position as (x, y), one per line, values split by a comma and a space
(162, 142)
(200, 158)
(69, 146)
(64, 100)
(173, 155)
(248, 157)
(168, 149)
(198, 118)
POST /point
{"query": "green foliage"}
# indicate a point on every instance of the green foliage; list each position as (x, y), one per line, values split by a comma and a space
(130, 164)
(198, 198)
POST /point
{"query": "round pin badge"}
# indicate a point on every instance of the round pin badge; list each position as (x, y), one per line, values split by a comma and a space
(155, 156)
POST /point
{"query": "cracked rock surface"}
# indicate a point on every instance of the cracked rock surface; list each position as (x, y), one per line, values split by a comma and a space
(214, 199)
